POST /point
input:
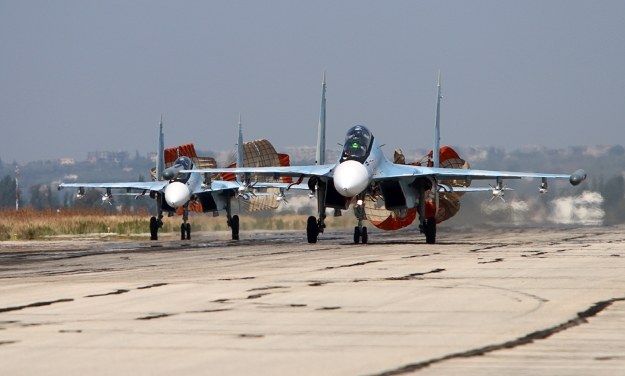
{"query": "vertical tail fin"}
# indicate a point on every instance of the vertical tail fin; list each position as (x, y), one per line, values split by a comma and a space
(240, 148)
(160, 153)
(437, 128)
(321, 130)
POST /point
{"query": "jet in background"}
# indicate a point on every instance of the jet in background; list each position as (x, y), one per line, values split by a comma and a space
(362, 171)
(175, 190)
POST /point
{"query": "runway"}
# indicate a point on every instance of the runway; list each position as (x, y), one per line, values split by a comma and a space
(493, 301)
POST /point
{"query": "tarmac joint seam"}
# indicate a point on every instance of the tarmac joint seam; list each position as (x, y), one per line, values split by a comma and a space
(582, 318)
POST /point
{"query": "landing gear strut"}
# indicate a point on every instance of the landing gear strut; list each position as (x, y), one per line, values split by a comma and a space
(360, 231)
(429, 229)
(234, 225)
(185, 228)
(157, 221)
(185, 231)
(315, 226)
(427, 226)
(155, 224)
(233, 221)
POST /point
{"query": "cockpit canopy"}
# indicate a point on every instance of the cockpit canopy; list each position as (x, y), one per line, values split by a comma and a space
(183, 163)
(357, 144)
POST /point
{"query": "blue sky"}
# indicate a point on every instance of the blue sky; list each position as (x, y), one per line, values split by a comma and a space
(79, 76)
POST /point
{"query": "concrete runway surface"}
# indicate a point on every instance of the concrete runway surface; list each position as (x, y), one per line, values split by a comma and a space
(499, 301)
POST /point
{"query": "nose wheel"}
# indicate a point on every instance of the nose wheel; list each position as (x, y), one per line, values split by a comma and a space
(360, 235)
(185, 231)
(360, 231)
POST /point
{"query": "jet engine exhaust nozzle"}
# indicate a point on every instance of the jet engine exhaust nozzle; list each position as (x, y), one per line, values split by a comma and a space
(177, 194)
(351, 178)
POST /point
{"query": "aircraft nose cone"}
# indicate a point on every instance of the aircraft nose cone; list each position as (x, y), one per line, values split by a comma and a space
(177, 194)
(351, 178)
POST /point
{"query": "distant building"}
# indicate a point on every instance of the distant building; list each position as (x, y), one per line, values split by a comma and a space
(67, 161)
(107, 156)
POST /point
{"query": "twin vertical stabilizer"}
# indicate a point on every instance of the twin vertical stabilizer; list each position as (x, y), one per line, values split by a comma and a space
(240, 148)
(437, 128)
(321, 130)
(160, 153)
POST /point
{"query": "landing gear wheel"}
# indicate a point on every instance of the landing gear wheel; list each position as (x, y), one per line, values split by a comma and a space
(234, 225)
(153, 228)
(312, 229)
(360, 235)
(185, 231)
(429, 228)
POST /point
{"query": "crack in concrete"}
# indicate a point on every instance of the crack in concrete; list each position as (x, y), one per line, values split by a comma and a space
(259, 295)
(116, 292)
(32, 305)
(268, 288)
(351, 265)
(236, 279)
(155, 316)
(152, 286)
(414, 275)
(582, 318)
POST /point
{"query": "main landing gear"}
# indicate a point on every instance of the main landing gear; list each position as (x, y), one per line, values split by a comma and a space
(315, 226)
(428, 228)
(155, 224)
(427, 225)
(234, 226)
(233, 220)
(360, 231)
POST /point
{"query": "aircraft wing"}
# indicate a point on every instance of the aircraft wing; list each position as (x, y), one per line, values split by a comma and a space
(446, 188)
(405, 171)
(138, 185)
(312, 170)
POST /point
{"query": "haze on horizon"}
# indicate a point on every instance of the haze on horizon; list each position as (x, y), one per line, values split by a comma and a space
(80, 76)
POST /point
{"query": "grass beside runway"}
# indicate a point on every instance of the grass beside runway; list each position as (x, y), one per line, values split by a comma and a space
(30, 224)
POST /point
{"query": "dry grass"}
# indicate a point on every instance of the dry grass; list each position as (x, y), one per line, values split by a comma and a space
(35, 225)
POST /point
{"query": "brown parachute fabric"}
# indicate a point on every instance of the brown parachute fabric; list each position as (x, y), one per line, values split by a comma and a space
(261, 153)
(449, 203)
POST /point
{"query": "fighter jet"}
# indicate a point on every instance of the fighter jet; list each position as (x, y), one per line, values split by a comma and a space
(176, 188)
(363, 171)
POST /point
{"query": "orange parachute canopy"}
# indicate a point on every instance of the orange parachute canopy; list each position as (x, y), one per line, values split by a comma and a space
(186, 150)
(394, 221)
(448, 204)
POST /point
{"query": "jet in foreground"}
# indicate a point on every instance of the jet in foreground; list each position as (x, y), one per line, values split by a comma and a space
(363, 172)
